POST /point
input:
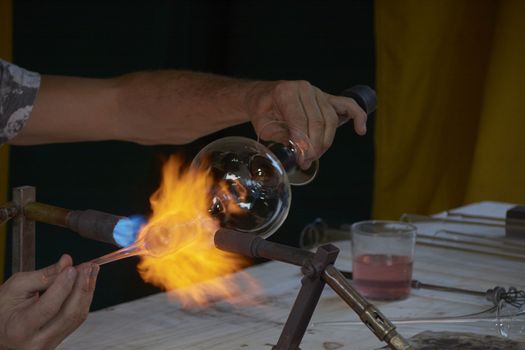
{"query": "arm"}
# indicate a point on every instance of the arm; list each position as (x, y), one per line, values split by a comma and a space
(175, 107)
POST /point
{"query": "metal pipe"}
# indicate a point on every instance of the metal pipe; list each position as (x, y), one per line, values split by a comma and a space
(383, 329)
(46, 213)
(91, 224)
(255, 247)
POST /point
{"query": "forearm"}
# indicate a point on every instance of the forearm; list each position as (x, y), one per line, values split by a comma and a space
(178, 106)
(160, 107)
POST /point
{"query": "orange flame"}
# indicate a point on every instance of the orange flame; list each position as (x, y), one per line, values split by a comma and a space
(179, 238)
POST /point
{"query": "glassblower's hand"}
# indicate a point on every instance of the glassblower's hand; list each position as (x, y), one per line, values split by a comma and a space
(304, 107)
(38, 309)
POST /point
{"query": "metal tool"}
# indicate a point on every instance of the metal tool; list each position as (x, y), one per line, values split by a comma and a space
(317, 269)
(25, 211)
(512, 295)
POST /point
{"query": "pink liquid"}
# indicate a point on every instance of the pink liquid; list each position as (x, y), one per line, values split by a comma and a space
(382, 277)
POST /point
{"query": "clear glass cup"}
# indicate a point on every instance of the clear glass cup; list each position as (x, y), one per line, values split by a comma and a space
(382, 257)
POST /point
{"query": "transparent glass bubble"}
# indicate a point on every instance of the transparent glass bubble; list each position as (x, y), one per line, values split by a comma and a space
(251, 191)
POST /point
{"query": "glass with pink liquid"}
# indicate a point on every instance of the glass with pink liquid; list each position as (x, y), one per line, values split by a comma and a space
(382, 255)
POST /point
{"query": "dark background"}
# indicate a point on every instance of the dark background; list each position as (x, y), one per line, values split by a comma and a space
(329, 43)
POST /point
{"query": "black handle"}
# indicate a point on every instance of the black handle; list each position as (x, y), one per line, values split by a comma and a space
(364, 95)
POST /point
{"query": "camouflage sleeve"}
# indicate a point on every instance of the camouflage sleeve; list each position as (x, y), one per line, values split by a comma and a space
(18, 89)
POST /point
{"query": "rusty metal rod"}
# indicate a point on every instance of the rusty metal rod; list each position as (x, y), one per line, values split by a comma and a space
(256, 247)
(383, 329)
(91, 224)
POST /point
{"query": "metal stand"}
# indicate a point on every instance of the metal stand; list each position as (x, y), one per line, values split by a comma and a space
(23, 258)
(307, 299)
(318, 269)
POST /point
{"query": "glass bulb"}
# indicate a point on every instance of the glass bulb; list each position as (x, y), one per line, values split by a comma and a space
(251, 191)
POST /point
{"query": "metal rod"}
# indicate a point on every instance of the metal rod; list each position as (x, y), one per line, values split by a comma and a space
(91, 224)
(518, 257)
(48, 214)
(383, 329)
(503, 240)
(472, 216)
(517, 249)
(416, 284)
(23, 257)
(413, 218)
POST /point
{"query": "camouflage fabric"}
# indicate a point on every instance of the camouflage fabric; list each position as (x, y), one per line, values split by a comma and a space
(18, 89)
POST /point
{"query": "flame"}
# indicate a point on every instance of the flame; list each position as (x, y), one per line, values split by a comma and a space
(179, 238)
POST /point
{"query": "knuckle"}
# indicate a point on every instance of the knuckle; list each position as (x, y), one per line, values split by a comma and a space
(285, 89)
(304, 85)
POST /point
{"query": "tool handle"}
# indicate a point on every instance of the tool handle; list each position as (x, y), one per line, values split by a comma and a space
(364, 95)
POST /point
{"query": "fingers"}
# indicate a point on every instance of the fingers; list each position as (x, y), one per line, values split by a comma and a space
(290, 106)
(74, 310)
(346, 108)
(52, 300)
(330, 119)
(312, 112)
(25, 283)
(315, 119)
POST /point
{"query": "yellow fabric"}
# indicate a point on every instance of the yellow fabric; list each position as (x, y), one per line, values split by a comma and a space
(5, 53)
(450, 125)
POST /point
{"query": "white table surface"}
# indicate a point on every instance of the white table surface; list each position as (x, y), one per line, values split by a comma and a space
(155, 322)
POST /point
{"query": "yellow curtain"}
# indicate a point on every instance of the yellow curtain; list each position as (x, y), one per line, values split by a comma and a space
(5, 53)
(449, 125)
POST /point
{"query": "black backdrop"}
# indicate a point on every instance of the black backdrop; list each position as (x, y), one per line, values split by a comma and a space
(329, 43)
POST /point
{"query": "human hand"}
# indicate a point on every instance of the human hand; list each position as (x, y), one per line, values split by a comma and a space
(38, 309)
(304, 107)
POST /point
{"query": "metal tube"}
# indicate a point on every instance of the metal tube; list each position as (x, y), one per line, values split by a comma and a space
(255, 247)
(46, 213)
(91, 224)
(368, 313)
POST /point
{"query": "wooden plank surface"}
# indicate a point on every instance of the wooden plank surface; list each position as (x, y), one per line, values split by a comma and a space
(156, 322)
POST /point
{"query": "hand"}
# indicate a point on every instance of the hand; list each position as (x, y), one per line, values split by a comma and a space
(304, 107)
(39, 309)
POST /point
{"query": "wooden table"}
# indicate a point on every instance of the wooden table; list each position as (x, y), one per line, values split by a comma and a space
(155, 322)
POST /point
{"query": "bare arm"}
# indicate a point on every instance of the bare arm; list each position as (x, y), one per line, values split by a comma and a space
(176, 107)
